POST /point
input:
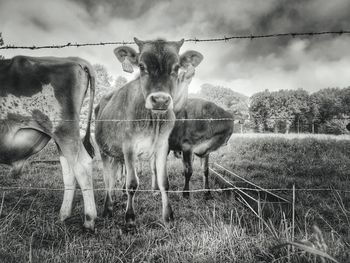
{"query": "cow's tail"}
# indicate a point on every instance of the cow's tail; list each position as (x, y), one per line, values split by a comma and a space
(87, 138)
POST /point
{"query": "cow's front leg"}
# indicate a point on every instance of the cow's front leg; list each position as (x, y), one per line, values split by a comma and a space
(205, 164)
(132, 183)
(163, 183)
(154, 174)
(187, 163)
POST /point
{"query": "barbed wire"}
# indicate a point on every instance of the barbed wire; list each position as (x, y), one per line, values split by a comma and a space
(166, 120)
(29, 188)
(195, 40)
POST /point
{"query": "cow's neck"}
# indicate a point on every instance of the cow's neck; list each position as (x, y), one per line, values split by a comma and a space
(181, 97)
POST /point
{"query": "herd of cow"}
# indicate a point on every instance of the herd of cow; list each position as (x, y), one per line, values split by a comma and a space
(41, 99)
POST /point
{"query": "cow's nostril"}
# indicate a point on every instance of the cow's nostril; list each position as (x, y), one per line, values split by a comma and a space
(153, 99)
(167, 100)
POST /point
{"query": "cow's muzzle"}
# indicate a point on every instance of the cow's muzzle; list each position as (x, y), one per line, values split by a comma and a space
(159, 102)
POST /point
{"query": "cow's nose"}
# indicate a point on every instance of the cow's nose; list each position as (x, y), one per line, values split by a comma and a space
(160, 101)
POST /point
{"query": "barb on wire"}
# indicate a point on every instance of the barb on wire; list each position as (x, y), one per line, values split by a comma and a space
(160, 120)
(195, 40)
(29, 188)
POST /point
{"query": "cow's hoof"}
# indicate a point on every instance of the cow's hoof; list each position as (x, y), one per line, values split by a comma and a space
(130, 218)
(89, 224)
(107, 212)
(89, 227)
(208, 196)
(64, 215)
(186, 194)
(168, 216)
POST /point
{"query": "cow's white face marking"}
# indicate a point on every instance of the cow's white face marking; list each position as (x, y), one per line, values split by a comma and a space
(44, 102)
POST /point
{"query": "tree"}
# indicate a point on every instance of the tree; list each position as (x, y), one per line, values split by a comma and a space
(232, 101)
(279, 110)
(333, 106)
(235, 103)
(260, 105)
(120, 82)
(330, 104)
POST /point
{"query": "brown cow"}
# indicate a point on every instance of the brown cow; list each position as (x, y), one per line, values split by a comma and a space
(40, 99)
(137, 119)
(199, 137)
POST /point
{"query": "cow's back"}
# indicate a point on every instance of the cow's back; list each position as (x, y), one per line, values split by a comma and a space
(43, 88)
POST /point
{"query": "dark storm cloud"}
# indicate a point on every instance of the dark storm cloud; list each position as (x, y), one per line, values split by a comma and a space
(129, 9)
(40, 23)
(284, 16)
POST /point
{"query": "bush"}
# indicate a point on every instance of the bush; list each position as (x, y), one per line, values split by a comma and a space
(334, 127)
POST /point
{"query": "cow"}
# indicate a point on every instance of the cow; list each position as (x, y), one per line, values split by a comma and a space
(199, 137)
(136, 120)
(40, 100)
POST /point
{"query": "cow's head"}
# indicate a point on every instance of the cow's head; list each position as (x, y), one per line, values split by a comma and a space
(160, 67)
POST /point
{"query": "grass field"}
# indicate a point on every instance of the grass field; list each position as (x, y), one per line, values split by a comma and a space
(221, 229)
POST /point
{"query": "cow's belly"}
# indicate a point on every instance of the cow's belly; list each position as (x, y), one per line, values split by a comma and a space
(144, 146)
(18, 143)
(203, 148)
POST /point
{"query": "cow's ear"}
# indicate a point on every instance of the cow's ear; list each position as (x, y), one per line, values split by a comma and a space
(191, 57)
(127, 56)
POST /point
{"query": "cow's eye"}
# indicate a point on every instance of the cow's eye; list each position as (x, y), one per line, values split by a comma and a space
(142, 67)
(175, 69)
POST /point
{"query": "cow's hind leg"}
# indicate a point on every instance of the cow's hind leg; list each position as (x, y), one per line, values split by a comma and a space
(111, 170)
(205, 165)
(80, 164)
(187, 163)
(132, 183)
(69, 188)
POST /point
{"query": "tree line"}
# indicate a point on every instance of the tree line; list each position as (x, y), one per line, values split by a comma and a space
(325, 111)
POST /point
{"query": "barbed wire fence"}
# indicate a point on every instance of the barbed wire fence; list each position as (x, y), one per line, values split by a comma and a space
(194, 40)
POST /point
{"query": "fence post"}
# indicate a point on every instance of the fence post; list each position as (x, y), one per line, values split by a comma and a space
(293, 216)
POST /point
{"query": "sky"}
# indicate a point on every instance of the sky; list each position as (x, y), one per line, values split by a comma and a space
(246, 66)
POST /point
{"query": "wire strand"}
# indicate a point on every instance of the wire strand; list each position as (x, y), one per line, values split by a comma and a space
(162, 120)
(29, 188)
(195, 40)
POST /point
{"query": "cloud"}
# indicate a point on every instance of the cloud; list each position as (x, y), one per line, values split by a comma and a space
(247, 66)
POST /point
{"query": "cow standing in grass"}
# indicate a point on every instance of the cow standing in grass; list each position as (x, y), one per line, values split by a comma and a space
(137, 119)
(199, 137)
(40, 99)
